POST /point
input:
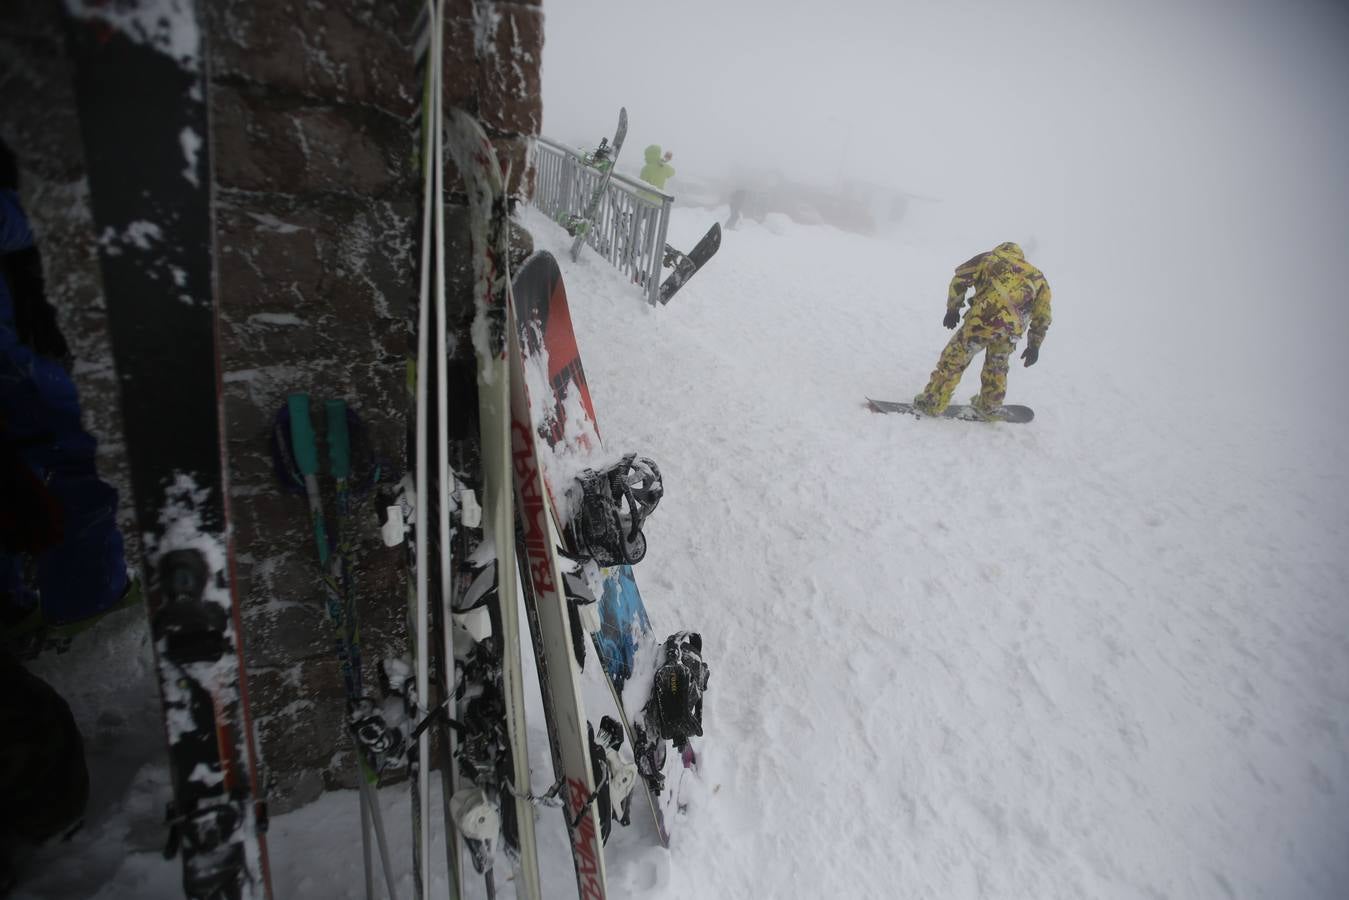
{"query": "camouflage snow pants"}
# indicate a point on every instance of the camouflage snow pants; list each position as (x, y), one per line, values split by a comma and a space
(996, 340)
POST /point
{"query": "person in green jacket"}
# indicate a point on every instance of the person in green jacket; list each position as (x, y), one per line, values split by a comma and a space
(657, 170)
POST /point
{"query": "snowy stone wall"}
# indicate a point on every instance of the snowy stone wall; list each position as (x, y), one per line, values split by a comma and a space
(317, 190)
(316, 218)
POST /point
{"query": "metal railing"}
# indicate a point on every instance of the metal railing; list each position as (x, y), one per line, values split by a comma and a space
(633, 217)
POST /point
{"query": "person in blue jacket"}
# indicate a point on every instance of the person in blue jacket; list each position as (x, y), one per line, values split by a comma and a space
(61, 554)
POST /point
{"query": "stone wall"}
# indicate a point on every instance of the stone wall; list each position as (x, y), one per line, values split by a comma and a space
(317, 189)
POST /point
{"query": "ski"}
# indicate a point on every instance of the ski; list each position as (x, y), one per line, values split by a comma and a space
(413, 681)
(686, 265)
(581, 229)
(484, 183)
(143, 97)
(551, 603)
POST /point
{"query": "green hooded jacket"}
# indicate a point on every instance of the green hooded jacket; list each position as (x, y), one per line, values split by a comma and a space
(656, 171)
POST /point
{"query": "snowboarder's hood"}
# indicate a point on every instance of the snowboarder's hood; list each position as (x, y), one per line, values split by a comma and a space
(1010, 249)
(653, 153)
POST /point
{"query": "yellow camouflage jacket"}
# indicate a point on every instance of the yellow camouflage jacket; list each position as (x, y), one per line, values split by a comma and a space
(1007, 289)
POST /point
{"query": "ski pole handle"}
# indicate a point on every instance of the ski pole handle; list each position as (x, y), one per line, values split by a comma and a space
(302, 435)
(306, 451)
(339, 440)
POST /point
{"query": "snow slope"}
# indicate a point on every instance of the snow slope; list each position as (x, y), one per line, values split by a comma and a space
(1100, 655)
(1105, 654)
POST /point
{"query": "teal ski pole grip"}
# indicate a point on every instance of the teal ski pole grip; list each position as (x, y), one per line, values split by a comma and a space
(302, 435)
(339, 441)
(307, 458)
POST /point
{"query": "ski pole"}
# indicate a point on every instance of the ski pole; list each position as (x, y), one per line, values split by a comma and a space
(339, 463)
(304, 448)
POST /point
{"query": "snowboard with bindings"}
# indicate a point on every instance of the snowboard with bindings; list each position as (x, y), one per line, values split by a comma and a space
(1011, 413)
(599, 503)
(605, 163)
(686, 265)
(142, 96)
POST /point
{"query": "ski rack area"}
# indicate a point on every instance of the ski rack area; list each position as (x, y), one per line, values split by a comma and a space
(630, 227)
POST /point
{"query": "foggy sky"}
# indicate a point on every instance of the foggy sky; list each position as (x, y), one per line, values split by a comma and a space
(1187, 156)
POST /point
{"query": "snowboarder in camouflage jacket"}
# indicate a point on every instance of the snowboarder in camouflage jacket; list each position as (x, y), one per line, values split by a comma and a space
(1009, 294)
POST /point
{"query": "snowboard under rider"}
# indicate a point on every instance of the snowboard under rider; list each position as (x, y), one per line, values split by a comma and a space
(1009, 294)
(657, 170)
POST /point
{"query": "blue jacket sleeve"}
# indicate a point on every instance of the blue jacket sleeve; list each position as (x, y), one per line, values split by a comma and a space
(15, 234)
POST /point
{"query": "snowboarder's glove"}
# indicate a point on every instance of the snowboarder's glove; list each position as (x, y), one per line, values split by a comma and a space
(1030, 355)
(952, 318)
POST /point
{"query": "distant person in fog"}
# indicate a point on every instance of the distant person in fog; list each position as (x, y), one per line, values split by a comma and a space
(657, 170)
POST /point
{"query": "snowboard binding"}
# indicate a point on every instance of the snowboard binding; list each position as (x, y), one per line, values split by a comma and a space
(672, 257)
(600, 155)
(615, 502)
(675, 710)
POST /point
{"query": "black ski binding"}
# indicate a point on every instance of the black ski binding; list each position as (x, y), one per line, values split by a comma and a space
(384, 744)
(610, 738)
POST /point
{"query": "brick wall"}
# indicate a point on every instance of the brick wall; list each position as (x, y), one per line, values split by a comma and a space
(316, 220)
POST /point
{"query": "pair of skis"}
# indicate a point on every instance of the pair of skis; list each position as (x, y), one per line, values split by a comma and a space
(488, 665)
(509, 459)
(487, 577)
(514, 491)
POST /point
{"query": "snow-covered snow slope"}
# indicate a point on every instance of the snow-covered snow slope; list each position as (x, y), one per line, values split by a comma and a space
(1102, 655)
(1105, 654)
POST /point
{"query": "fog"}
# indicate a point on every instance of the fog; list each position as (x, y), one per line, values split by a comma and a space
(1185, 162)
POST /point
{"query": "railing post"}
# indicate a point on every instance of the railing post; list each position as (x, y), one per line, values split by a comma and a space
(658, 252)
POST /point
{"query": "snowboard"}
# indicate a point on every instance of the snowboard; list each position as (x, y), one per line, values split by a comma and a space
(1010, 413)
(142, 96)
(563, 416)
(593, 206)
(689, 264)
